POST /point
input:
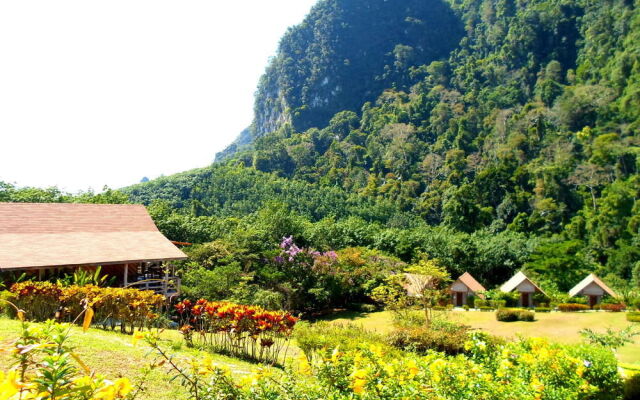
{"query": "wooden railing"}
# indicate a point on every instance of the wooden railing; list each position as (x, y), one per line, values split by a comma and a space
(169, 287)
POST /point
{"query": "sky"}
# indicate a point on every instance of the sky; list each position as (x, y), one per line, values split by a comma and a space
(96, 93)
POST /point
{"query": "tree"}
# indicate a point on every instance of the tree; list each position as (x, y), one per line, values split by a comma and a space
(430, 282)
(591, 176)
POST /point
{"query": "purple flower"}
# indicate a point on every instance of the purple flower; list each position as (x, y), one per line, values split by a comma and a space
(331, 254)
(286, 242)
(293, 250)
(279, 259)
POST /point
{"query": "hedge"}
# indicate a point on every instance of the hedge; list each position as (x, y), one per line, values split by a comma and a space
(633, 317)
(572, 307)
(514, 314)
(613, 307)
(130, 308)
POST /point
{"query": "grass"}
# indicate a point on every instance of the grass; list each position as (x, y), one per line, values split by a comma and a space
(113, 355)
(558, 327)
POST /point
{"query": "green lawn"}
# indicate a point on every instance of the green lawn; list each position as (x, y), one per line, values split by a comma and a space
(113, 355)
(559, 327)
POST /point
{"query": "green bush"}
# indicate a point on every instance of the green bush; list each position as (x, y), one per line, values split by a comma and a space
(632, 387)
(498, 303)
(633, 316)
(465, 307)
(471, 300)
(479, 303)
(600, 369)
(320, 336)
(368, 308)
(523, 369)
(444, 337)
(486, 309)
(408, 319)
(6, 308)
(572, 307)
(542, 309)
(514, 314)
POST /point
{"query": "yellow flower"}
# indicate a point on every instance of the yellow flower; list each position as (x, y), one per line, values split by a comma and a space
(376, 349)
(122, 387)
(359, 380)
(358, 386)
(412, 367)
(9, 384)
(335, 355)
(137, 336)
(537, 385)
(389, 370)
(303, 365)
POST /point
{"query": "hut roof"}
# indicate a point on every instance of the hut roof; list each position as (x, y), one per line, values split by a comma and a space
(591, 278)
(64, 234)
(515, 281)
(471, 282)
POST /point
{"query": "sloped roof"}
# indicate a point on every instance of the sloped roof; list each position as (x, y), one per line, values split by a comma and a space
(471, 282)
(414, 283)
(63, 234)
(591, 278)
(515, 281)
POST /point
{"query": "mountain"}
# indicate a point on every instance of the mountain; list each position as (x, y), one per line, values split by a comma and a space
(493, 116)
(241, 143)
(347, 52)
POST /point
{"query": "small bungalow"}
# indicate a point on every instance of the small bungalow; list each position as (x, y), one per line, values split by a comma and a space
(51, 239)
(593, 288)
(463, 287)
(524, 286)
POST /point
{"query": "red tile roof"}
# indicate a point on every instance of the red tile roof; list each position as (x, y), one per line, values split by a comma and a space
(471, 283)
(63, 234)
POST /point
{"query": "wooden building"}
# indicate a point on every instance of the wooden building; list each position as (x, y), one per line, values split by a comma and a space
(525, 286)
(463, 287)
(52, 239)
(593, 288)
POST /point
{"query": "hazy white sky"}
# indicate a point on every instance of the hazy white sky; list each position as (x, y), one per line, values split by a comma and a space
(97, 93)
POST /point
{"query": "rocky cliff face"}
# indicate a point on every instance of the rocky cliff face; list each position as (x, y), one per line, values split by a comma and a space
(345, 53)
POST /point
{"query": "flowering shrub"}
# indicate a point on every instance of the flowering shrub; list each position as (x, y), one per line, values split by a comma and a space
(130, 307)
(527, 369)
(572, 307)
(240, 330)
(44, 370)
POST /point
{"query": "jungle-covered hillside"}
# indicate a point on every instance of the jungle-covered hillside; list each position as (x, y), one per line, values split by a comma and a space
(491, 135)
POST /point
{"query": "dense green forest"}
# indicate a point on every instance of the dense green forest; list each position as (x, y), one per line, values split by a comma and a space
(491, 135)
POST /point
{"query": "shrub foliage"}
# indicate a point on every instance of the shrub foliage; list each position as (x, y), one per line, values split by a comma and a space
(129, 308)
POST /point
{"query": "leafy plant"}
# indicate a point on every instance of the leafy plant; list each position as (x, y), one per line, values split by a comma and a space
(572, 307)
(611, 339)
(512, 314)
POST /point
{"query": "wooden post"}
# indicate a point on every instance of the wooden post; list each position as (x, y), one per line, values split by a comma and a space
(40, 274)
(165, 284)
(126, 274)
